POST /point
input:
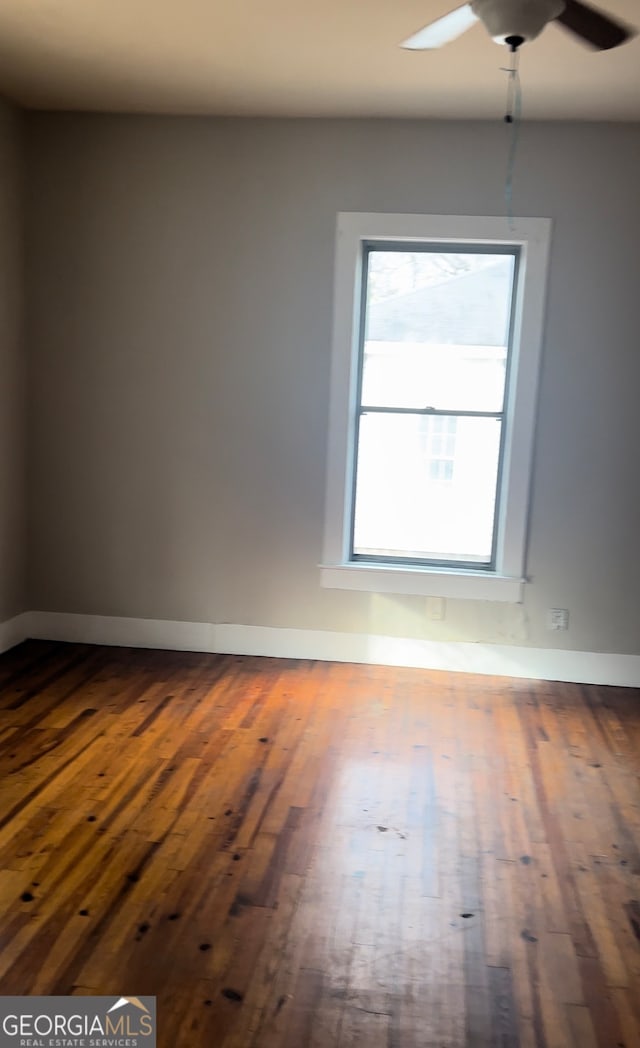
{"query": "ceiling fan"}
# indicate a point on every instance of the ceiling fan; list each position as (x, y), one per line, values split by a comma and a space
(513, 22)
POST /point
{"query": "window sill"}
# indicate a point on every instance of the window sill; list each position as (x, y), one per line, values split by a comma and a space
(432, 582)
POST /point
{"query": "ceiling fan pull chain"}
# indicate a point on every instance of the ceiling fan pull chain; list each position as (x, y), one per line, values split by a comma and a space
(513, 119)
(513, 79)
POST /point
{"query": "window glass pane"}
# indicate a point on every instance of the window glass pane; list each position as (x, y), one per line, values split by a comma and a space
(437, 329)
(416, 498)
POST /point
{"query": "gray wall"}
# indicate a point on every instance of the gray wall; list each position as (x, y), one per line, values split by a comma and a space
(180, 283)
(12, 372)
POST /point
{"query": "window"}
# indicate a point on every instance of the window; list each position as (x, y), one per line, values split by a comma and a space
(438, 442)
(437, 338)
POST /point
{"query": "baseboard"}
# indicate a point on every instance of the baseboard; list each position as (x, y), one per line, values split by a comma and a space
(14, 631)
(125, 632)
(581, 667)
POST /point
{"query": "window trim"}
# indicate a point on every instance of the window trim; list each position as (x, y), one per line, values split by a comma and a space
(354, 230)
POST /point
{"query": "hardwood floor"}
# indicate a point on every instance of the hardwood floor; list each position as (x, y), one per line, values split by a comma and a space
(305, 855)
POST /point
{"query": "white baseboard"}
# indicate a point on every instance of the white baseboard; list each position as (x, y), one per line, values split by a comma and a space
(14, 631)
(128, 633)
(582, 667)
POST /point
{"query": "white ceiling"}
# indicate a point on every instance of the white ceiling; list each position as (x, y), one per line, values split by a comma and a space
(296, 58)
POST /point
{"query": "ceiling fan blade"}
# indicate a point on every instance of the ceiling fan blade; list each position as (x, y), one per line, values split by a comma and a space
(593, 26)
(443, 30)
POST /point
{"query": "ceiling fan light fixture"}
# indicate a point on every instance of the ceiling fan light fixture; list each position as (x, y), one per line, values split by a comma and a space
(516, 18)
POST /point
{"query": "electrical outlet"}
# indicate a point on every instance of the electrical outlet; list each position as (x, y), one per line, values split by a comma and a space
(436, 608)
(558, 619)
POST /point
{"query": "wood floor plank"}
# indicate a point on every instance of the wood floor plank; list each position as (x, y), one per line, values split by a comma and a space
(292, 854)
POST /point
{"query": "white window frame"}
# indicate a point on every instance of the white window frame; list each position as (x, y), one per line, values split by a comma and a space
(532, 237)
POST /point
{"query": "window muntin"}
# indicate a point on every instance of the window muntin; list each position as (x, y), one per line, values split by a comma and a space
(435, 334)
